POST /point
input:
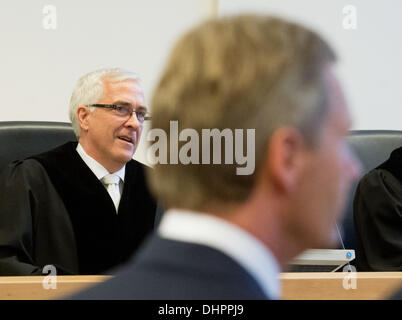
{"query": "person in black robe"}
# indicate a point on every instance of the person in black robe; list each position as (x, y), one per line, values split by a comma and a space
(55, 210)
(378, 217)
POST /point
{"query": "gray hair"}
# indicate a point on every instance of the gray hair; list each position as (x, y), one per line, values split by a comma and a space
(89, 90)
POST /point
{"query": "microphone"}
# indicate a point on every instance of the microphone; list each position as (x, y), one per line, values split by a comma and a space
(343, 246)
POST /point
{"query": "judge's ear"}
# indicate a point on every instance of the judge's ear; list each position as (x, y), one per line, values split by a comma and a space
(83, 113)
(285, 158)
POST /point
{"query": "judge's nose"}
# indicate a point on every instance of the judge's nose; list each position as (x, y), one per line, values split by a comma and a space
(133, 121)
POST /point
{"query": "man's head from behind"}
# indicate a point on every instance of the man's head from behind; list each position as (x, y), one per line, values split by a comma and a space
(262, 73)
(101, 114)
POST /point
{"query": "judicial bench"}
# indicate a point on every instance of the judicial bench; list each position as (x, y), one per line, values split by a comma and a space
(300, 286)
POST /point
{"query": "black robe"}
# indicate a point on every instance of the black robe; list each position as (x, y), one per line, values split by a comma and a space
(53, 210)
(378, 217)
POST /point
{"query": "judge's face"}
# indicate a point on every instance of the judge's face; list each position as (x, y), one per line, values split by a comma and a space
(108, 138)
(326, 179)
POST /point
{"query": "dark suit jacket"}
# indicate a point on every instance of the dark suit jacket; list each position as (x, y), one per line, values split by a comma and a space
(166, 269)
(53, 210)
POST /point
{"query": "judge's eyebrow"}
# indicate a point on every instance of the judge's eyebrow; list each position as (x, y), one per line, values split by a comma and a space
(120, 102)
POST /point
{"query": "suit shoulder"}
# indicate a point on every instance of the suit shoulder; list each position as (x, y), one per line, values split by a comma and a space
(197, 272)
(22, 176)
(28, 168)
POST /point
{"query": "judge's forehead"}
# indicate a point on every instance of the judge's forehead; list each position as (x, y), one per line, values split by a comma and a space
(128, 91)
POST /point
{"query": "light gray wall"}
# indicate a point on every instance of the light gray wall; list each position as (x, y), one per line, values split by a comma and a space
(370, 56)
(39, 67)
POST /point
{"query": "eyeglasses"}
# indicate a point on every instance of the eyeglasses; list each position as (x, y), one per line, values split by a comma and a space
(124, 111)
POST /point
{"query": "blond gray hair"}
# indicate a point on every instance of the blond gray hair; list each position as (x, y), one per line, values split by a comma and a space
(247, 71)
(89, 90)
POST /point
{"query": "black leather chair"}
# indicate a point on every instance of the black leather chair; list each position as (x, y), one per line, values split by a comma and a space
(20, 139)
(372, 147)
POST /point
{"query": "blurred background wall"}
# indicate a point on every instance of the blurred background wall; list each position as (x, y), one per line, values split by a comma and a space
(366, 35)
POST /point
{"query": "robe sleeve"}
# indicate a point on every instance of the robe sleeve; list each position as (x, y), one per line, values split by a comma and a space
(27, 199)
(378, 222)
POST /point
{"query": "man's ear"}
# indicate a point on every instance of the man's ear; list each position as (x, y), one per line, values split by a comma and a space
(285, 158)
(82, 115)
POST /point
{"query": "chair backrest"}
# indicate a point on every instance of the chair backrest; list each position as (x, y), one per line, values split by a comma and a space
(372, 147)
(20, 139)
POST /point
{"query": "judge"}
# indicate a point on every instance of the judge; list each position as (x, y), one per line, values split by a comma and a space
(82, 207)
(378, 217)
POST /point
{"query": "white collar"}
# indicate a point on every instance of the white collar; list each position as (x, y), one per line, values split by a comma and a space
(98, 170)
(248, 251)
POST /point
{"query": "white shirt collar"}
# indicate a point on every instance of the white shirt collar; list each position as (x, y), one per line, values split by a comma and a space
(248, 251)
(98, 170)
